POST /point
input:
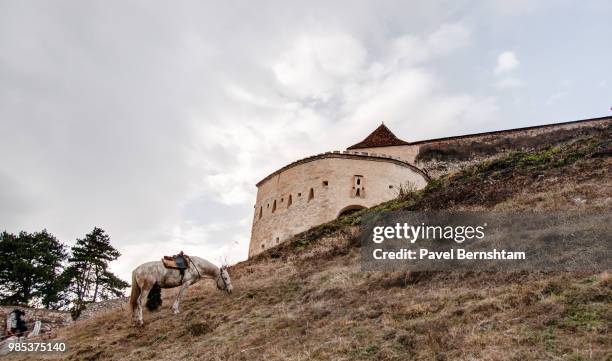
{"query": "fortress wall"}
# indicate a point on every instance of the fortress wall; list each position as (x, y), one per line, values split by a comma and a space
(531, 132)
(381, 179)
(407, 153)
(410, 152)
(439, 157)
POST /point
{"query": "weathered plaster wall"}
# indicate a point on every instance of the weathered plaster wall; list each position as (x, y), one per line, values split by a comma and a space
(319, 188)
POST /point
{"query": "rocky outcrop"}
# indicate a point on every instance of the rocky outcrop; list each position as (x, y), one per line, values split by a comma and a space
(94, 309)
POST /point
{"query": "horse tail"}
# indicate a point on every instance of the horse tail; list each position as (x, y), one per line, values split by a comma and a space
(135, 292)
(154, 299)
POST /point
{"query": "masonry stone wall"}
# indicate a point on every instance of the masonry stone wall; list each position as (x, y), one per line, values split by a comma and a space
(410, 152)
(95, 309)
(51, 319)
(406, 153)
(54, 319)
(317, 189)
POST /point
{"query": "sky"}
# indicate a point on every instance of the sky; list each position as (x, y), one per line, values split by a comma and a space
(154, 119)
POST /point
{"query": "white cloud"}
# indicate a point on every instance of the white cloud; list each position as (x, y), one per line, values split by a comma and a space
(315, 64)
(509, 7)
(448, 38)
(506, 61)
(508, 83)
(410, 49)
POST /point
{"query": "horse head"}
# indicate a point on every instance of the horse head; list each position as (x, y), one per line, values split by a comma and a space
(224, 282)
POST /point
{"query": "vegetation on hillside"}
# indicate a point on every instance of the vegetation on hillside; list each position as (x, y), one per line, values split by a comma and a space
(466, 150)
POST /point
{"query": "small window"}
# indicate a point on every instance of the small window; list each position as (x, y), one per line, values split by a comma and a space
(390, 186)
(299, 194)
(268, 205)
(282, 200)
(358, 188)
(263, 246)
(274, 206)
(289, 201)
(260, 212)
(277, 240)
(310, 194)
(325, 183)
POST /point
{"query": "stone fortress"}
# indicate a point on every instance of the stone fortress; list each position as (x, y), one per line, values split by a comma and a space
(318, 189)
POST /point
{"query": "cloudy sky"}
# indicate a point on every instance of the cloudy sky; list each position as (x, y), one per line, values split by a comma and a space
(155, 119)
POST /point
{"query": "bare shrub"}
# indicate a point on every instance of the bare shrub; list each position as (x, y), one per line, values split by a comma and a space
(407, 191)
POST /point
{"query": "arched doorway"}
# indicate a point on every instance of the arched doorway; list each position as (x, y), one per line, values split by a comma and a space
(350, 209)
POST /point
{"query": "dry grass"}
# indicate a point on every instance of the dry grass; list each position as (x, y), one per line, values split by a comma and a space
(331, 310)
(308, 299)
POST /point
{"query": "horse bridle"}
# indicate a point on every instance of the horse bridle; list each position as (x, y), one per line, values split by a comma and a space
(200, 276)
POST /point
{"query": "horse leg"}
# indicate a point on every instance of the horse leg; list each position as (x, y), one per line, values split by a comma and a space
(134, 296)
(134, 305)
(181, 293)
(142, 300)
(137, 305)
(137, 314)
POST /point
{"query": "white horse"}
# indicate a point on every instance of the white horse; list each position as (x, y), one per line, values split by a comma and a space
(149, 278)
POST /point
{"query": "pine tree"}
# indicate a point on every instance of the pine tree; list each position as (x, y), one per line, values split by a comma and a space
(88, 270)
(31, 269)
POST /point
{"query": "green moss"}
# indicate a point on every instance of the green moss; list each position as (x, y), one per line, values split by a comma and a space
(368, 351)
(290, 288)
(371, 350)
(552, 288)
(547, 337)
(433, 185)
(583, 315)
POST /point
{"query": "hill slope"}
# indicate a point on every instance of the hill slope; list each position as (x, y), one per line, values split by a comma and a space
(308, 299)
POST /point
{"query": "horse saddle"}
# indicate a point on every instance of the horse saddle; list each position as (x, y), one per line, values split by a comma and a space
(178, 261)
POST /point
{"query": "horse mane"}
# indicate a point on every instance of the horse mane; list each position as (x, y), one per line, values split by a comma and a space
(154, 299)
(206, 266)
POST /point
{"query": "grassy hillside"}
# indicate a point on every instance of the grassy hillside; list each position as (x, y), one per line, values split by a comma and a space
(308, 299)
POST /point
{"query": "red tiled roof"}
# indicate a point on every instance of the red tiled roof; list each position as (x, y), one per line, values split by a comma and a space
(381, 137)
